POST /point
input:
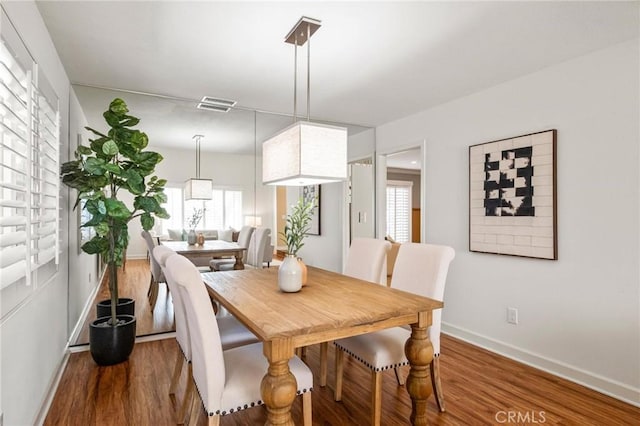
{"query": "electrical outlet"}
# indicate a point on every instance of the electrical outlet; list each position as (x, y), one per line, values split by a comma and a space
(512, 316)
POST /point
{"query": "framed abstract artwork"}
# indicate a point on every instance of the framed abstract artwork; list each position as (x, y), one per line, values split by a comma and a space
(308, 193)
(512, 196)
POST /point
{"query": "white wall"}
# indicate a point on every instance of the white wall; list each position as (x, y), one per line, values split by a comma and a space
(580, 315)
(34, 338)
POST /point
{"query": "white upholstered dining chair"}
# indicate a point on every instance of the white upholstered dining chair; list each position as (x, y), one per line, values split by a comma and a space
(226, 380)
(420, 269)
(157, 276)
(244, 237)
(232, 332)
(366, 260)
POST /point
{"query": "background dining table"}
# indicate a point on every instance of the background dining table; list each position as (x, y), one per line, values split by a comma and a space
(211, 248)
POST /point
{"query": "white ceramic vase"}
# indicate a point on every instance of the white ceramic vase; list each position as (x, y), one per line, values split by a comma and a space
(290, 275)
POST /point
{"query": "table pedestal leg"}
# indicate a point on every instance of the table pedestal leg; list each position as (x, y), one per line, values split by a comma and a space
(238, 265)
(278, 387)
(419, 352)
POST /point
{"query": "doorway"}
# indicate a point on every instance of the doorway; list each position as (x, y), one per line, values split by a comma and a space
(401, 205)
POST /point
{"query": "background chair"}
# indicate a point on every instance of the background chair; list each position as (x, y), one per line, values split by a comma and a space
(229, 380)
(366, 260)
(254, 255)
(157, 276)
(420, 269)
(244, 238)
(232, 332)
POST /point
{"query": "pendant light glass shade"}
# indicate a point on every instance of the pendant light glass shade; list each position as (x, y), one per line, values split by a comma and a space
(305, 154)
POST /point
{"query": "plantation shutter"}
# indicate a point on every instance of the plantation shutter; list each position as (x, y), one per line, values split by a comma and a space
(29, 164)
(399, 210)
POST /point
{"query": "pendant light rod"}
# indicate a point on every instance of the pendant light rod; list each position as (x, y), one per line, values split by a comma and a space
(198, 138)
(295, 79)
(308, 72)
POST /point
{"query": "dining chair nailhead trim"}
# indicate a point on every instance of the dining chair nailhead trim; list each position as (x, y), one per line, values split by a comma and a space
(371, 367)
(246, 406)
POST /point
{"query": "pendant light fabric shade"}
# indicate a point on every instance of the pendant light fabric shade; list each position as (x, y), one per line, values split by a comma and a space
(198, 189)
(305, 153)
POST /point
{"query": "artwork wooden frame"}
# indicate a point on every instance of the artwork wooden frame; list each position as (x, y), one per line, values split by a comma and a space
(513, 197)
(308, 193)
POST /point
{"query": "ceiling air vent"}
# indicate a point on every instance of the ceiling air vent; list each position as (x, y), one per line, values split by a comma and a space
(215, 104)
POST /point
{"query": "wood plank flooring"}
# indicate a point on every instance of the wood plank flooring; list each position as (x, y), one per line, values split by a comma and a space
(133, 282)
(480, 387)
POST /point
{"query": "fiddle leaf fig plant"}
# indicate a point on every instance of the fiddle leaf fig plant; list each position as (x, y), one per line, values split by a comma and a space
(297, 225)
(115, 162)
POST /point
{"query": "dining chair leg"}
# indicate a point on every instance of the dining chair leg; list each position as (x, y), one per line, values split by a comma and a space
(194, 410)
(189, 394)
(306, 409)
(339, 372)
(434, 368)
(399, 377)
(177, 369)
(324, 346)
(376, 397)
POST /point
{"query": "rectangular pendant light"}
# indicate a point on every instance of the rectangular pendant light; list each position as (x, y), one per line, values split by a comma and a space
(198, 189)
(305, 153)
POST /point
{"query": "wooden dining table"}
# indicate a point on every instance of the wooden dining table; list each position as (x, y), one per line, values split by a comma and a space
(208, 250)
(330, 306)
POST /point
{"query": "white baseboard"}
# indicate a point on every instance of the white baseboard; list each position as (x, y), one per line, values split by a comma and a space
(590, 380)
(53, 387)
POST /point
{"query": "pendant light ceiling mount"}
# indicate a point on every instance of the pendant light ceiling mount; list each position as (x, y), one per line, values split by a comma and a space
(304, 153)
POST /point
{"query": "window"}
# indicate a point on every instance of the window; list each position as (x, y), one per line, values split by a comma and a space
(29, 172)
(399, 210)
(224, 210)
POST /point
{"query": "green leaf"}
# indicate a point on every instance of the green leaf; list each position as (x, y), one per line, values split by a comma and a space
(118, 107)
(117, 209)
(113, 168)
(112, 119)
(147, 221)
(147, 204)
(110, 148)
(148, 160)
(129, 121)
(95, 166)
(161, 213)
(70, 166)
(84, 150)
(96, 245)
(160, 197)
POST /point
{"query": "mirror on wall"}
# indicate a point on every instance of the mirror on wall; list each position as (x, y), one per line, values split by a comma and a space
(230, 156)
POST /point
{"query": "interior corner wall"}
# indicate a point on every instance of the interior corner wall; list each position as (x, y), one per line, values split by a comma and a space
(579, 316)
(34, 337)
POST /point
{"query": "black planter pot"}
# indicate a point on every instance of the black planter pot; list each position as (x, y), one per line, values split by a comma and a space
(112, 345)
(125, 307)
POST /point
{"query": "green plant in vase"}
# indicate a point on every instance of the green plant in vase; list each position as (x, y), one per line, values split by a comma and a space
(115, 162)
(296, 228)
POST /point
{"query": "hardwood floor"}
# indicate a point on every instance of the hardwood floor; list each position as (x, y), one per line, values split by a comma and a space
(480, 388)
(133, 282)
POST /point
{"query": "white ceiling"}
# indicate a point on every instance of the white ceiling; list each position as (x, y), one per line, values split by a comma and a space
(371, 62)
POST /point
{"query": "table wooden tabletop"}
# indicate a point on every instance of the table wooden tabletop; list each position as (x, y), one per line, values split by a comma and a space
(208, 250)
(331, 306)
